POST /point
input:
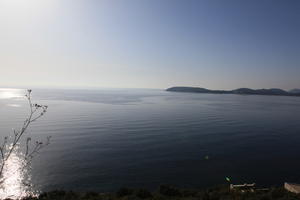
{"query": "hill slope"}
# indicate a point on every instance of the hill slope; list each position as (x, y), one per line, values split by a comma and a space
(245, 91)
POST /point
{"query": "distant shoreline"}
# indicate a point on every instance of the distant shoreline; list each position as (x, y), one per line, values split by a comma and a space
(241, 91)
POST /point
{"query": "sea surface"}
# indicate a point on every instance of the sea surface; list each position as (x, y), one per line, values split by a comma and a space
(106, 139)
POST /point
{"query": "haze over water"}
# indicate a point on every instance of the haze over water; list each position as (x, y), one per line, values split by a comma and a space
(105, 139)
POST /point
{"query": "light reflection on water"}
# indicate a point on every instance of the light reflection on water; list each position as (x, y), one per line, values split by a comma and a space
(14, 105)
(161, 137)
(16, 178)
(8, 93)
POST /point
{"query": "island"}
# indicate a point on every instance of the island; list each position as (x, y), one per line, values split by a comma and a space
(241, 91)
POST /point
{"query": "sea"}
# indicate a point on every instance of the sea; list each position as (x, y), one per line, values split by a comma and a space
(105, 139)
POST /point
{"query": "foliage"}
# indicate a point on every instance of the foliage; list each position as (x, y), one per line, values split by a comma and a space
(143, 193)
(171, 193)
(124, 192)
(168, 190)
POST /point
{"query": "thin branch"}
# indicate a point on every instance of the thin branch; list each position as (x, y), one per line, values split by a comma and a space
(32, 117)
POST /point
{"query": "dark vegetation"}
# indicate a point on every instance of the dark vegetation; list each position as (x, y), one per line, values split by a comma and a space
(166, 192)
(245, 91)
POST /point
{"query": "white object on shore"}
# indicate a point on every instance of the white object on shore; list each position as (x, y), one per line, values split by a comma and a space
(292, 187)
(241, 186)
(244, 187)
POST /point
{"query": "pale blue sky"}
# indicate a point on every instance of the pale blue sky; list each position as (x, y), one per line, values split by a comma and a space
(150, 43)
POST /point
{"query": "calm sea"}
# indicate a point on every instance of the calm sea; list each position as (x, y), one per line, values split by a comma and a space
(105, 139)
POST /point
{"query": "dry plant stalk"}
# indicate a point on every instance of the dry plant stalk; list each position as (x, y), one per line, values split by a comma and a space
(8, 147)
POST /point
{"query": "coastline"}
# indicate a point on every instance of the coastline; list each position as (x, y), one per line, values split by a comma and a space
(166, 192)
(239, 91)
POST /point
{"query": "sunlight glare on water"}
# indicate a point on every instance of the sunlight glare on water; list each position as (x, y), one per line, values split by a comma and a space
(15, 180)
(7, 93)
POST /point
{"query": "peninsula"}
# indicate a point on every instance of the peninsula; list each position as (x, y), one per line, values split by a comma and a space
(242, 91)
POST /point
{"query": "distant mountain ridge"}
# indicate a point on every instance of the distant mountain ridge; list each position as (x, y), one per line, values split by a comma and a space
(295, 91)
(243, 91)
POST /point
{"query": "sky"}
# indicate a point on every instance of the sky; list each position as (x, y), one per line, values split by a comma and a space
(217, 44)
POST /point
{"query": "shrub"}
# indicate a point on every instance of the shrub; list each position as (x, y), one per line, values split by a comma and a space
(189, 193)
(143, 194)
(265, 197)
(278, 193)
(124, 192)
(91, 195)
(168, 190)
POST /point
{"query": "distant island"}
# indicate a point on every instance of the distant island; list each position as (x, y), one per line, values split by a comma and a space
(242, 91)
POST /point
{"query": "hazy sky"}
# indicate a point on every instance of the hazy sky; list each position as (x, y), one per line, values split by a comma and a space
(218, 44)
